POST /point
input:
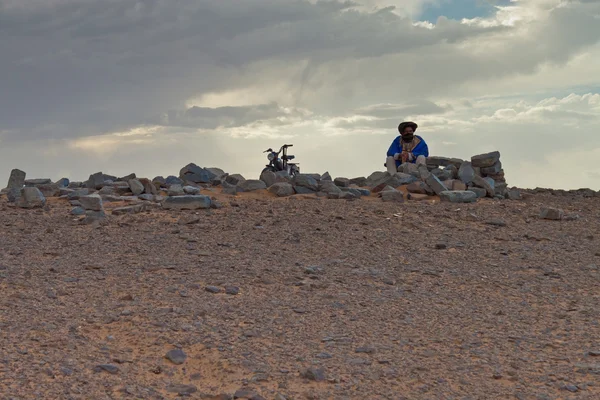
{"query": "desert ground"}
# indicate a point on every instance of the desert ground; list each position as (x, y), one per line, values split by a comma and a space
(303, 298)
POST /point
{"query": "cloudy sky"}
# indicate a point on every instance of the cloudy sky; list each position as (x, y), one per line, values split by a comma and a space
(148, 86)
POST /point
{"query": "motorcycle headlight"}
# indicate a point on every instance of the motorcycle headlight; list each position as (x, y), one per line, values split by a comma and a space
(271, 156)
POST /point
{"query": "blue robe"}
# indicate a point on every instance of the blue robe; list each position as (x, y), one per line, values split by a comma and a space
(420, 150)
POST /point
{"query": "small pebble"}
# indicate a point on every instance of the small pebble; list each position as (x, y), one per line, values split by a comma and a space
(212, 289)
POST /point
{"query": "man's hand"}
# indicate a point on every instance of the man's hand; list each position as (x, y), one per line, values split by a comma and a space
(405, 156)
(397, 156)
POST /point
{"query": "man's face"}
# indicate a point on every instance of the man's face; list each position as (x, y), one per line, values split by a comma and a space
(408, 131)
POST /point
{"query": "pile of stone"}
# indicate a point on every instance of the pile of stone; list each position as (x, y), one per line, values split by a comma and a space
(460, 181)
(451, 179)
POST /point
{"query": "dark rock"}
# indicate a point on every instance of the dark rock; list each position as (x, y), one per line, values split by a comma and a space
(134, 209)
(514, 194)
(552, 214)
(95, 181)
(453, 171)
(494, 169)
(314, 374)
(360, 181)
(500, 189)
(244, 393)
(187, 202)
(78, 211)
(212, 289)
(76, 194)
(441, 246)
(420, 187)
(326, 177)
(136, 186)
(176, 356)
(480, 192)
(571, 388)
(175, 190)
(324, 356)
(459, 196)
(235, 179)
(16, 179)
(127, 178)
(111, 369)
(195, 174)
(149, 187)
(218, 173)
(232, 290)
(442, 174)
(182, 390)
(364, 192)
(281, 189)
(366, 350)
(496, 222)
(303, 190)
(37, 182)
(392, 196)
(484, 184)
(466, 173)
(31, 197)
(251, 185)
(485, 160)
(191, 190)
(306, 181)
(423, 172)
(434, 183)
(173, 180)
(49, 189)
(341, 182)
(268, 177)
(92, 202)
(329, 187)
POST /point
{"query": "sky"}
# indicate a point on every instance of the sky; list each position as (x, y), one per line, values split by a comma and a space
(148, 86)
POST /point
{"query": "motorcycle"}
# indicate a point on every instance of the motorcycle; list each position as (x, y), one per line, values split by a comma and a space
(277, 163)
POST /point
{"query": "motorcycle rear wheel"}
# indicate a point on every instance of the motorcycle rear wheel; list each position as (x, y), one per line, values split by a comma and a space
(272, 169)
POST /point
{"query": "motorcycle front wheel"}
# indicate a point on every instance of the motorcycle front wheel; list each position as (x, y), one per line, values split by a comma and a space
(272, 169)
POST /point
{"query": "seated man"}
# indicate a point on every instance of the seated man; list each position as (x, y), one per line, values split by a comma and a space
(407, 147)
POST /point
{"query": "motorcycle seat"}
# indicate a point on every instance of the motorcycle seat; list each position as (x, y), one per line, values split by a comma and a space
(290, 157)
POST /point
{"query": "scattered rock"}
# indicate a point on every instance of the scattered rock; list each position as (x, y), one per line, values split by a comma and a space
(460, 196)
(281, 189)
(342, 182)
(176, 356)
(392, 196)
(186, 202)
(552, 214)
(484, 184)
(195, 174)
(182, 390)
(78, 211)
(485, 160)
(314, 374)
(212, 289)
(31, 197)
(232, 290)
(191, 190)
(417, 197)
(306, 181)
(420, 187)
(16, 179)
(251, 185)
(235, 179)
(136, 187)
(91, 202)
(111, 369)
(434, 183)
(496, 222)
(514, 194)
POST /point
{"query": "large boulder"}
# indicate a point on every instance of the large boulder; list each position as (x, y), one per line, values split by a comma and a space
(342, 182)
(188, 202)
(485, 160)
(149, 187)
(16, 179)
(434, 183)
(95, 181)
(306, 181)
(136, 187)
(63, 182)
(268, 177)
(195, 174)
(31, 197)
(329, 187)
(458, 196)
(326, 177)
(92, 202)
(235, 179)
(49, 189)
(173, 180)
(191, 190)
(409, 168)
(420, 187)
(250, 185)
(392, 196)
(466, 173)
(359, 181)
(175, 190)
(484, 184)
(493, 170)
(281, 189)
(37, 182)
(480, 192)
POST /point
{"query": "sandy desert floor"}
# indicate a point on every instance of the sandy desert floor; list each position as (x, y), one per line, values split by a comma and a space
(318, 299)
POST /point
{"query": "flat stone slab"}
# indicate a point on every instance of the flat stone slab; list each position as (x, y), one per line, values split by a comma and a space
(458, 196)
(186, 202)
